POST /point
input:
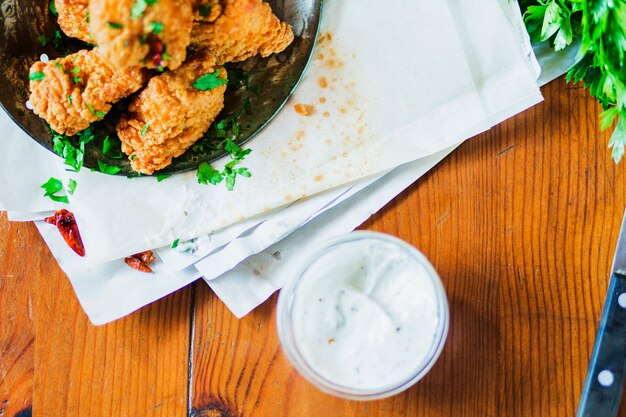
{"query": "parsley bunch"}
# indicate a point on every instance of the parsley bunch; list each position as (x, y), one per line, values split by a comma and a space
(600, 26)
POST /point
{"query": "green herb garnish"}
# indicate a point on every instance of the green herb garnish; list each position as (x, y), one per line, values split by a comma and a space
(162, 177)
(36, 76)
(115, 25)
(112, 148)
(53, 186)
(43, 40)
(53, 8)
(71, 186)
(210, 81)
(175, 244)
(108, 169)
(205, 10)
(208, 175)
(156, 27)
(600, 25)
(140, 7)
(144, 129)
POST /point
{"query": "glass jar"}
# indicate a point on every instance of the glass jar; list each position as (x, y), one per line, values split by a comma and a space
(365, 316)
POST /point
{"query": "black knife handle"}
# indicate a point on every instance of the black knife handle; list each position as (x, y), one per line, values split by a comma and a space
(602, 392)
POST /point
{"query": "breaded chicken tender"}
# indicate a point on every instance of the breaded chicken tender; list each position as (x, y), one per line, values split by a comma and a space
(151, 34)
(170, 115)
(72, 92)
(73, 19)
(244, 29)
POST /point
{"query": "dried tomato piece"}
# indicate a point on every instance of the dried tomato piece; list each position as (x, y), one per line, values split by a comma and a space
(140, 261)
(156, 51)
(66, 223)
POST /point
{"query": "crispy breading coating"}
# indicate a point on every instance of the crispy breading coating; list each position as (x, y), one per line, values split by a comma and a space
(170, 115)
(155, 35)
(79, 89)
(244, 29)
(73, 19)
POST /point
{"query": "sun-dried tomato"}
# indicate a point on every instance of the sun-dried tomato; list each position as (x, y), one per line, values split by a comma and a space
(140, 261)
(66, 223)
(156, 51)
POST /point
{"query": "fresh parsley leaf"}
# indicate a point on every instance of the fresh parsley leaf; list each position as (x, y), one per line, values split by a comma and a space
(53, 186)
(600, 26)
(108, 169)
(162, 177)
(156, 27)
(112, 148)
(36, 76)
(210, 81)
(166, 56)
(140, 7)
(144, 129)
(208, 175)
(115, 25)
(69, 100)
(53, 8)
(205, 10)
(43, 40)
(71, 186)
(75, 70)
(175, 244)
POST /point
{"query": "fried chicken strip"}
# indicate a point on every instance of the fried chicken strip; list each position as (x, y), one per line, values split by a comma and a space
(170, 115)
(244, 29)
(141, 33)
(71, 93)
(73, 19)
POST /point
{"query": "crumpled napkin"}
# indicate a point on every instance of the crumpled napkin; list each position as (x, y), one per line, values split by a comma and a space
(502, 83)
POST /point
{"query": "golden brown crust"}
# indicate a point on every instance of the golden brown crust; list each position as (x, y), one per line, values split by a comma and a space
(79, 89)
(244, 29)
(73, 19)
(169, 116)
(125, 40)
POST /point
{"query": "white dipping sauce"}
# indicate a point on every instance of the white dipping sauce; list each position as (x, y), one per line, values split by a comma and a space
(366, 315)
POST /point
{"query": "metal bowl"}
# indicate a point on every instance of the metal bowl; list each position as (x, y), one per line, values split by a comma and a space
(272, 80)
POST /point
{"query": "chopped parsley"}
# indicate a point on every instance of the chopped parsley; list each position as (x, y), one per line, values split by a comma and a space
(71, 186)
(108, 169)
(140, 7)
(115, 25)
(75, 70)
(166, 56)
(208, 175)
(145, 129)
(74, 156)
(43, 40)
(205, 10)
(112, 148)
(78, 80)
(210, 81)
(175, 244)
(156, 27)
(51, 188)
(69, 100)
(53, 8)
(36, 76)
(162, 177)
(59, 66)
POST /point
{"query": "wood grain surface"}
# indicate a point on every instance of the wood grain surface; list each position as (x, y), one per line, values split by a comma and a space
(521, 222)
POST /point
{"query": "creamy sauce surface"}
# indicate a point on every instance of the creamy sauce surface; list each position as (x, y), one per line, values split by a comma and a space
(366, 315)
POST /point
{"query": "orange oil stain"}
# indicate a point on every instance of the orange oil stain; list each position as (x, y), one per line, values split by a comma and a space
(304, 109)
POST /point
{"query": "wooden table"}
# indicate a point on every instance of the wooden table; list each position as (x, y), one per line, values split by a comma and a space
(521, 223)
